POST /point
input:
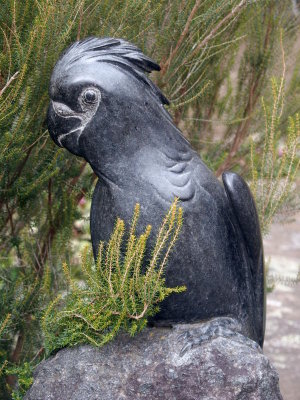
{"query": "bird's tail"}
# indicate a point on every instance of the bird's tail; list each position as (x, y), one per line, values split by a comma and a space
(246, 216)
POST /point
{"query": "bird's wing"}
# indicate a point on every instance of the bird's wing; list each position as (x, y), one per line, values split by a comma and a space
(244, 209)
(178, 174)
(169, 174)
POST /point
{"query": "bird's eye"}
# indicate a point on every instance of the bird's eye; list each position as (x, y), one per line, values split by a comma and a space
(90, 96)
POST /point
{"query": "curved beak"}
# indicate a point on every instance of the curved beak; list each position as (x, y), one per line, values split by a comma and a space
(63, 124)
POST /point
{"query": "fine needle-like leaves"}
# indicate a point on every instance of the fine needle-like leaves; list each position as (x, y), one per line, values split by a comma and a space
(120, 291)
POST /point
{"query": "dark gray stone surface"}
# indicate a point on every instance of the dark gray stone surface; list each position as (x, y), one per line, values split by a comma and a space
(208, 361)
(104, 108)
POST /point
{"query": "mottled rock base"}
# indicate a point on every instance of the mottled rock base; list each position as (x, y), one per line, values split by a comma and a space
(209, 361)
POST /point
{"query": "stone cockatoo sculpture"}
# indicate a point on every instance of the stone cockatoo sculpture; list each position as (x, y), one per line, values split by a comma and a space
(104, 108)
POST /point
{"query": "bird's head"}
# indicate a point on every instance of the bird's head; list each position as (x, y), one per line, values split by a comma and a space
(98, 92)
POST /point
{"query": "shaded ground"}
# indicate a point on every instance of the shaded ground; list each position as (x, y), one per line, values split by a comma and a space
(282, 343)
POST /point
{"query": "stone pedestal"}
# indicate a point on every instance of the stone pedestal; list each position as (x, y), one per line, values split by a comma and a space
(208, 361)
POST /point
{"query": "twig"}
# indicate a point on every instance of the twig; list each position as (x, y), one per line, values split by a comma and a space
(242, 129)
(80, 21)
(40, 351)
(234, 11)
(182, 36)
(8, 83)
(10, 220)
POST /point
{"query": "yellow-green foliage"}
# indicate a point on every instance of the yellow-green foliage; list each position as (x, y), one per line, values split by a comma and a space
(274, 169)
(24, 374)
(118, 293)
(3, 325)
(214, 57)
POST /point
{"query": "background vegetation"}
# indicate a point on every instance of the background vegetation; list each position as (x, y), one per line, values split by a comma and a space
(218, 59)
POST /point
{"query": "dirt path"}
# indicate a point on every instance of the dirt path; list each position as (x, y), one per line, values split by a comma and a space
(282, 343)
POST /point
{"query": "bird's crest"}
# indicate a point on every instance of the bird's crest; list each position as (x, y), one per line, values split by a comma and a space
(114, 51)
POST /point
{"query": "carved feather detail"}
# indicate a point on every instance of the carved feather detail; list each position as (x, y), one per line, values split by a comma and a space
(179, 176)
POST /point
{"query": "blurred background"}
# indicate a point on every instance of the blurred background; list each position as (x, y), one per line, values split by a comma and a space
(230, 69)
(282, 342)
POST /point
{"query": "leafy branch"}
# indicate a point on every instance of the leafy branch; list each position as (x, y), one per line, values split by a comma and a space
(118, 294)
(274, 171)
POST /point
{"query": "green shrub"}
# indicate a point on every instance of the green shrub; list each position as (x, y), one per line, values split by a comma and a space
(216, 57)
(275, 165)
(117, 293)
